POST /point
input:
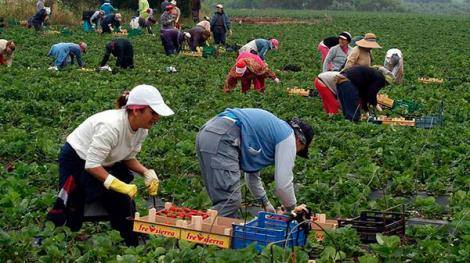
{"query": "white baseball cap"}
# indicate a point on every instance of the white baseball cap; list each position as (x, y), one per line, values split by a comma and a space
(147, 95)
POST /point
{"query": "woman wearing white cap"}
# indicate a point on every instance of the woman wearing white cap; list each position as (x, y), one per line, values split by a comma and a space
(338, 54)
(96, 161)
(361, 53)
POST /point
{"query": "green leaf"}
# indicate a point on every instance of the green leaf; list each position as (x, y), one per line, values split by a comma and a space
(368, 259)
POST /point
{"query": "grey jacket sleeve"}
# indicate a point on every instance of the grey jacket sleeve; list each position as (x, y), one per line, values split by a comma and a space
(329, 57)
(283, 175)
(255, 184)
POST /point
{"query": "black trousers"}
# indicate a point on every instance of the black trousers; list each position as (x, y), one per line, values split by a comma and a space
(120, 207)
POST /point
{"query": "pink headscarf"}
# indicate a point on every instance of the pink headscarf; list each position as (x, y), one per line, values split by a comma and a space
(205, 24)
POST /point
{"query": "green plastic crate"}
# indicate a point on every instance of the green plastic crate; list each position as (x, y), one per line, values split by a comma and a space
(65, 31)
(13, 22)
(134, 32)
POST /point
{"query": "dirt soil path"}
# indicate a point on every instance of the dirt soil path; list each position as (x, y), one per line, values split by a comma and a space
(278, 20)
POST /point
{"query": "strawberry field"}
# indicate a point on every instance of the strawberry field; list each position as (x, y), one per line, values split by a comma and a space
(352, 167)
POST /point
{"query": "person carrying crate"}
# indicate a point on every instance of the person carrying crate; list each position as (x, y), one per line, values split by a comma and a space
(98, 158)
(248, 140)
(249, 67)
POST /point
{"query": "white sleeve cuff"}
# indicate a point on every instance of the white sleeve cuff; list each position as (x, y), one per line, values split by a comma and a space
(109, 180)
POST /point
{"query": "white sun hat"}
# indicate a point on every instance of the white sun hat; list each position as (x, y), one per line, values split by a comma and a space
(147, 95)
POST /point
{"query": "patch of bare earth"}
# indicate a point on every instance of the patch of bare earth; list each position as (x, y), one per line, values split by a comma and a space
(279, 20)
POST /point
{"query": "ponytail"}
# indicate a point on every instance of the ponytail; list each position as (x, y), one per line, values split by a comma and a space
(122, 100)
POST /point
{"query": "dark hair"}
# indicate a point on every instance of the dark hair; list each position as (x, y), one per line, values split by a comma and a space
(122, 100)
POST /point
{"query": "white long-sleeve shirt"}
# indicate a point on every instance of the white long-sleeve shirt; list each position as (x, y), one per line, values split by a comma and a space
(106, 138)
(283, 174)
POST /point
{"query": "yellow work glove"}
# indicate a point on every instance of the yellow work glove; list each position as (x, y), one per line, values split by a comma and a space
(151, 181)
(119, 186)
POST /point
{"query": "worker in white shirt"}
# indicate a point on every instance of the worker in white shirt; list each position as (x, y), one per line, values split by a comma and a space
(99, 156)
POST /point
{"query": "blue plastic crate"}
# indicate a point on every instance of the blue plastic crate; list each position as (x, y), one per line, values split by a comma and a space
(267, 228)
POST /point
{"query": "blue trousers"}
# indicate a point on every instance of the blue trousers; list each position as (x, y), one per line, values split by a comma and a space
(348, 96)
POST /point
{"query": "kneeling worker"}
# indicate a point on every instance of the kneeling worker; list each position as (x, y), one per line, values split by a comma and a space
(249, 140)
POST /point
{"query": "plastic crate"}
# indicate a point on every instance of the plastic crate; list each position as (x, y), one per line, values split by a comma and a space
(134, 32)
(65, 31)
(268, 228)
(370, 223)
(429, 122)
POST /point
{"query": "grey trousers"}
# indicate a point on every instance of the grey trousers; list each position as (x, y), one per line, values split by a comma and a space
(218, 149)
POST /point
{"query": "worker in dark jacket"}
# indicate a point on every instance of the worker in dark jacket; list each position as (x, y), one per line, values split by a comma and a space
(358, 87)
(123, 51)
(220, 25)
(37, 21)
(110, 22)
(195, 7)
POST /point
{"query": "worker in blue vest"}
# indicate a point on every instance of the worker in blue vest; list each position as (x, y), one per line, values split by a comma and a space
(248, 140)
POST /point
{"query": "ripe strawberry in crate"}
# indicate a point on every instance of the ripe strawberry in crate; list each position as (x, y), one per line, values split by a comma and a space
(182, 213)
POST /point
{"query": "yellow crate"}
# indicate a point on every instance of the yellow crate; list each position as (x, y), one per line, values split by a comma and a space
(86, 69)
(298, 91)
(214, 230)
(430, 80)
(191, 54)
(385, 100)
(399, 121)
(206, 238)
(143, 225)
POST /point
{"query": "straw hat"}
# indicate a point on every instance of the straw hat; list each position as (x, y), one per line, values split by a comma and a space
(369, 41)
